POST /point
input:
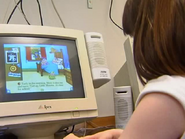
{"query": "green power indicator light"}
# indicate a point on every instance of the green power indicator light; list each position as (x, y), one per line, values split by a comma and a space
(76, 108)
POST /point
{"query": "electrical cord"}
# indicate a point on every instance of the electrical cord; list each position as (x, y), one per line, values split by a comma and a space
(21, 3)
(21, 11)
(58, 13)
(5, 15)
(40, 12)
(66, 130)
(63, 130)
(72, 130)
(85, 127)
(13, 11)
(110, 16)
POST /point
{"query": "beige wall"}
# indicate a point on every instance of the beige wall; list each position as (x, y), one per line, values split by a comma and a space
(76, 15)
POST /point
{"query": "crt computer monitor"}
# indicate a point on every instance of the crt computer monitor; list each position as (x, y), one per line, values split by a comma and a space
(45, 79)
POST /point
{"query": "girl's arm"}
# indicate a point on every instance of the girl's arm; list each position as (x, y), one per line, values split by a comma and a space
(158, 116)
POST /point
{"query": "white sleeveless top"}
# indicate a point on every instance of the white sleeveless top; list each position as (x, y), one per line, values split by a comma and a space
(170, 85)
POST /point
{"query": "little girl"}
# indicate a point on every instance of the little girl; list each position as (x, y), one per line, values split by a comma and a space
(158, 29)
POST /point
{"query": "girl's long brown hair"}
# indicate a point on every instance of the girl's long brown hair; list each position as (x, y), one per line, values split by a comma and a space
(158, 28)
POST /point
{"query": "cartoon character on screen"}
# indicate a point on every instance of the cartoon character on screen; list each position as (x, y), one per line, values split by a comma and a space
(44, 62)
(37, 55)
(60, 63)
(55, 60)
(52, 75)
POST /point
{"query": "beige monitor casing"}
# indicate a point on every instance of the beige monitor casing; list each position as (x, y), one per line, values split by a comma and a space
(21, 112)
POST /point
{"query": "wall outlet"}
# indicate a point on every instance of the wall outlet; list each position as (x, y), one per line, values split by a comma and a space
(89, 4)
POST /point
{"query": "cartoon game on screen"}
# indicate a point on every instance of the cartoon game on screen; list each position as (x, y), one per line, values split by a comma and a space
(37, 68)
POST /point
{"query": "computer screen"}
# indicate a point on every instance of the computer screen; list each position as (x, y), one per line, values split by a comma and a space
(39, 68)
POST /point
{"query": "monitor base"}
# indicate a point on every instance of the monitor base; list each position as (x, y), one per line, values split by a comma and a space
(43, 131)
(48, 137)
